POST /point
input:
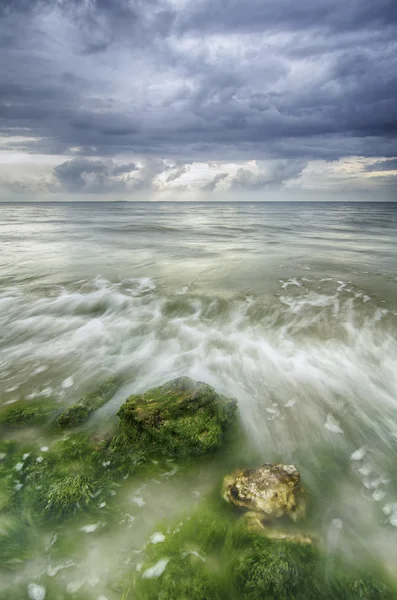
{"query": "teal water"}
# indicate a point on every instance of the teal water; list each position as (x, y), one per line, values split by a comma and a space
(290, 308)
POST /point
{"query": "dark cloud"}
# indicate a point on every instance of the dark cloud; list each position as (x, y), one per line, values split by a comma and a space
(206, 80)
(82, 174)
(287, 15)
(96, 176)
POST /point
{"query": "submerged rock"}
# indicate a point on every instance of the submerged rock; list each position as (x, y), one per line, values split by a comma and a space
(26, 412)
(180, 418)
(273, 491)
(80, 412)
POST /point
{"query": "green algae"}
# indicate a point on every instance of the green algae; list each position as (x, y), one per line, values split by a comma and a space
(26, 412)
(180, 418)
(69, 479)
(78, 413)
(212, 555)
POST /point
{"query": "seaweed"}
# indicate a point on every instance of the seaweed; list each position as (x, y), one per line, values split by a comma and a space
(16, 540)
(69, 479)
(214, 556)
(78, 413)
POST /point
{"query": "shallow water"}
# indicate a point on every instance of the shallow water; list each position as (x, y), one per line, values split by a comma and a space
(290, 308)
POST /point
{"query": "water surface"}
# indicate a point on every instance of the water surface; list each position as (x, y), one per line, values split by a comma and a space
(291, 308)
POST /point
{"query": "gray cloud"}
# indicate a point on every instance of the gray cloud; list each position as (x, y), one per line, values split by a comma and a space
(206, 80)
(210, 186)
(277, 173)
(383, 165)
(90, 176)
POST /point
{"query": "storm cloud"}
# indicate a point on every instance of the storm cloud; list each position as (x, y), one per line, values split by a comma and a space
(188, 81)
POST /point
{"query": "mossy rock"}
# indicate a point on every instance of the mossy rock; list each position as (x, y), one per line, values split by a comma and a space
(26, 412)
(213, 556)
(180, 418)
(80, 412)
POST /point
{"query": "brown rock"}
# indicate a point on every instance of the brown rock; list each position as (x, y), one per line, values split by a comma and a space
(273, 491)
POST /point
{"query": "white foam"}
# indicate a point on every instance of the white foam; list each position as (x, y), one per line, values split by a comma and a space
(67, 383)
(74, 586)
(358, 454)
(157, 570)
(332, 425)
(90, 528)
(157, 538)
(36, 592)
(139, 501)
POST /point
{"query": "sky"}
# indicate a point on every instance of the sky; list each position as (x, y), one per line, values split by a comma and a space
(198, 100)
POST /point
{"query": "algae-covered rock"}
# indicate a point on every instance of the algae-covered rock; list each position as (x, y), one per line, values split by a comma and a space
(26, 412)
(214, 556)
(179, 418)
(80, 412)
(274, 491)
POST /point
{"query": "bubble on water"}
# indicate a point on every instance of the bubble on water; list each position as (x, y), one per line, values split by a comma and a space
(39, 459)
(18, 486)
(378, 495)
(358, 454)
(365, 470)
(36, 592)
(26, 455)
(19, 466)
(44, 449)
(157, 569)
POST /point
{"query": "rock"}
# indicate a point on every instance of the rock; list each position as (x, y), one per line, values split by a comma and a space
(180, 418)
(272, 490)
(80, 412)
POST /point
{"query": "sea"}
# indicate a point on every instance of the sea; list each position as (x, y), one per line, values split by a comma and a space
(291, 308)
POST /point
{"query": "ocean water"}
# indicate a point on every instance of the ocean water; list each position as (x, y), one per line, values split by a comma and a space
(290, 308)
